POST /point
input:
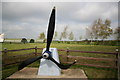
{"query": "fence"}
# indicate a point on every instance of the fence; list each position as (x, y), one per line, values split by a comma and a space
(68, 56)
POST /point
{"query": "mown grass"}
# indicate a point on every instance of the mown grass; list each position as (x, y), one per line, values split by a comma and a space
(61, 46)
(91, 72)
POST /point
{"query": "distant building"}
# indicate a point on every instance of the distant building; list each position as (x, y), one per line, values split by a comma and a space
(1, 37)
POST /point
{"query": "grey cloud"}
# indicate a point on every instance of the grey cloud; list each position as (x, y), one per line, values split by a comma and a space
(18, 11)
(29, 19)
(93, 11)
(22, 30)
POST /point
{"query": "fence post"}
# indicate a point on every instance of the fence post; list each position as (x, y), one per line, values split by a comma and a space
(118, 62)
(35, 50)
(118, 65)
(117, 57)
(5, 56)
(67, 52)
(5, 51)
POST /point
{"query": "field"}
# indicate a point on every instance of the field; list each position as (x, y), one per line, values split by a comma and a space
(91, 72)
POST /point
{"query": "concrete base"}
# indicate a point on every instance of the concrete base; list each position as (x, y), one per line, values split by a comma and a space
(32, 73)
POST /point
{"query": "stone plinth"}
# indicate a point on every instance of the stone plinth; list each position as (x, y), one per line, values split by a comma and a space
(49, 68)
(29, 73)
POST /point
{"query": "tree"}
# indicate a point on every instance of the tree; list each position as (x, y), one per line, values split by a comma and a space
(80, 38)
(56, 34)
(117, 33)
(42, 35)
(100, 29)
(105, 30)
(24, 40)
(32, 41)
(89, 33)
(71, 36)
(61, 36)
(64, 33)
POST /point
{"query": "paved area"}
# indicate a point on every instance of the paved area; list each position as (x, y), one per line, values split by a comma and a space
(32, 73)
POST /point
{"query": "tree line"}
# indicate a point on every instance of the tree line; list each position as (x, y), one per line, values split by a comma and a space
(99, 29)
(65, 34)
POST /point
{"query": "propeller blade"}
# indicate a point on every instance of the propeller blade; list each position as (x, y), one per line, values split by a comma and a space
(27, 62)
(61, 65)
(50, 29)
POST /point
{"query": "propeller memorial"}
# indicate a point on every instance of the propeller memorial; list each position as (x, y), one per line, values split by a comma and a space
(49, 60)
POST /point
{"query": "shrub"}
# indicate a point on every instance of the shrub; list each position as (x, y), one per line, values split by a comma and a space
(24, 40)
(32, 41)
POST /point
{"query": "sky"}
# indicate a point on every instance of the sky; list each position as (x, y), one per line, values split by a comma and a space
(29, 19)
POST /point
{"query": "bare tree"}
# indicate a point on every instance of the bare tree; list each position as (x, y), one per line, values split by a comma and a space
(64, 33)
(117, 33)
(71, 36)
(80, 38)
(89, 33)
(56, 34)
(42, 35)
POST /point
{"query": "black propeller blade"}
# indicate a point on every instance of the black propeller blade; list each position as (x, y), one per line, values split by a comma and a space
(60, 65)
(50, 34)
(49, 39)
(27, 62)
(50, 29)
(47, 53)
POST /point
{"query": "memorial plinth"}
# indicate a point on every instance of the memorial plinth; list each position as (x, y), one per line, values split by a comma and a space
(49, 68)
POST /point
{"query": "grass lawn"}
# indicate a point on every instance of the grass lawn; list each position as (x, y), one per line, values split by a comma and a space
(91, 72)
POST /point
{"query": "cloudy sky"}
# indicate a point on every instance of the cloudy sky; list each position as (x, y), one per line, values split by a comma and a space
(29, 19)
